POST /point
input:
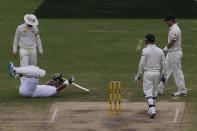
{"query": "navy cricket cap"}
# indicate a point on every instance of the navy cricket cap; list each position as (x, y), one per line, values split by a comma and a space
(150, 38)
(169, 17)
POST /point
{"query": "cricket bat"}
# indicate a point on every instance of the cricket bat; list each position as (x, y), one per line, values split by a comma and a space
(80, 87)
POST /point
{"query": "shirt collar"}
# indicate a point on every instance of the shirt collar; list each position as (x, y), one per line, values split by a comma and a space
(151, 45)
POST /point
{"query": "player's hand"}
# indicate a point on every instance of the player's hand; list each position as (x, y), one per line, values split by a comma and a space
(14, 54)
(40, 54)
(137, 77)
(163, 79)
(165, 52)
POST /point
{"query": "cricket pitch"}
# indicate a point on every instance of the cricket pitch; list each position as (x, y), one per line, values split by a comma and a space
(95, 116)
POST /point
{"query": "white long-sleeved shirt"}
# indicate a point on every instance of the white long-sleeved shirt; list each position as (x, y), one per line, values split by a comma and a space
(27, 38)
(152, 59)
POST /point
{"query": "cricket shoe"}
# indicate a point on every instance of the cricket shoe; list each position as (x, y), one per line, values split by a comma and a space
(11, 69)
(152, 112)
(180, 93)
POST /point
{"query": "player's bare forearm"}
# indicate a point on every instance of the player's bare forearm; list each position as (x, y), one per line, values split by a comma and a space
(49, 82)
(170, 44)
(61, 87)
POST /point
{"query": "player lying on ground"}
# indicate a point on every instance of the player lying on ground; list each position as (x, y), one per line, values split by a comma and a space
(29, 81)
(150, 64)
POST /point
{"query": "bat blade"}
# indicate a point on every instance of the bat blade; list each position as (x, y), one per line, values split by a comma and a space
(80, 87)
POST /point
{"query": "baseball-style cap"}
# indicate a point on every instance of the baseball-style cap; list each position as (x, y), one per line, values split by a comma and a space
(31, 19)
(149, 38)
(169, 17)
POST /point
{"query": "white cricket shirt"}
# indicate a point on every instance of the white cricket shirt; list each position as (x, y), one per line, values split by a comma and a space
(151, 60)
(175, 34)
(27, 38)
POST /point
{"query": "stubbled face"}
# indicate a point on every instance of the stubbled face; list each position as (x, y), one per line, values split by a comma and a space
(169, 23)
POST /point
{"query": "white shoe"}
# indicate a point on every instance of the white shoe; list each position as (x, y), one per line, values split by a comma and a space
(180, 93)
(152, 112)
(11, 69)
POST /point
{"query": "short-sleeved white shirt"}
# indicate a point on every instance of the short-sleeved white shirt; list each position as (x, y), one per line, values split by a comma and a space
(175, 34)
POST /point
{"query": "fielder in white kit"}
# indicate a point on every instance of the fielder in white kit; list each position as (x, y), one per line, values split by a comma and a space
(150, 64)
(28, 39)
(174, 54)
(29, 81)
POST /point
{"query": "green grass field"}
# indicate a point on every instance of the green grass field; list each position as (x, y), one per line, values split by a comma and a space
(95, 51)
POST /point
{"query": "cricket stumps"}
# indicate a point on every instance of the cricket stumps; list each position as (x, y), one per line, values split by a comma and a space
(114, 96)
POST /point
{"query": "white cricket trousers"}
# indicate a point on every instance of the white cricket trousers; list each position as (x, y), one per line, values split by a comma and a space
(173, 61)
(30, 71)
(28, 57)
(29, 83)
(150, 82)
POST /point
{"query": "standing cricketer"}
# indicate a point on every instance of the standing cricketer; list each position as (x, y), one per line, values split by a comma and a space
(28, 39)
(174, 54)
(150, 64)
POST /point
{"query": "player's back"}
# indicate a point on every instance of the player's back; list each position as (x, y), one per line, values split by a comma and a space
(153, 56)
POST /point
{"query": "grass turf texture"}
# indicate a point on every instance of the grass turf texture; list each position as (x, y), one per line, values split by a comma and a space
(95, 51)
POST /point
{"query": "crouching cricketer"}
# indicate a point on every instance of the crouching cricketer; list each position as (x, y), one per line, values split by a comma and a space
(150, 64)
(29, 81)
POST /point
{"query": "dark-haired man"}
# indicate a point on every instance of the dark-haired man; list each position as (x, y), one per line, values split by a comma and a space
(150, 64)
(173, 59)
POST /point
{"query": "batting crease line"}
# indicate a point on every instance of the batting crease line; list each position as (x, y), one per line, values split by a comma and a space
(54, 115)
(176, 115)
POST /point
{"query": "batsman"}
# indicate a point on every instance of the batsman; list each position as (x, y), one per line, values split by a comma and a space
(150, 64)
(30, 86)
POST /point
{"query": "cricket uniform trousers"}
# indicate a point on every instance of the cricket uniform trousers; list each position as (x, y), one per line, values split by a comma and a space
(29, 82)
(30, 71)
(30, 88)
(150, 82)
(173, 61)
(28, 57)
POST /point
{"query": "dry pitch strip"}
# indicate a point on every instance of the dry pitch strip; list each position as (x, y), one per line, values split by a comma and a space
(94, 116)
